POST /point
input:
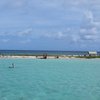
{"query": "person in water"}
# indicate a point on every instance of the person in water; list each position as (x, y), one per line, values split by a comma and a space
(12, 66)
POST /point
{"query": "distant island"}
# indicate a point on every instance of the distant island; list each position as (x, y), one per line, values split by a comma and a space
(48, 54)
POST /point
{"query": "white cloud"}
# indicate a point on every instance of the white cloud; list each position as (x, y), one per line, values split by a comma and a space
(89, 16)
(16, 3)
(22, 33)
(4, 40)
(26, 32)
(51, 3)
(56, 35)
(90, 30)
(25, 41)
(75, 38)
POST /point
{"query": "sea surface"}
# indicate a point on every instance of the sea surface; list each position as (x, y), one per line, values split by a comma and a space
(41, 52)
(50, 79)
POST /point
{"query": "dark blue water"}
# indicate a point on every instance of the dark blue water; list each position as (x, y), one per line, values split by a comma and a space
(41, 52)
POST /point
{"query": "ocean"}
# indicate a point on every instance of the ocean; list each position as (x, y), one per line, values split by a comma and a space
(50, 79)
(41, 52)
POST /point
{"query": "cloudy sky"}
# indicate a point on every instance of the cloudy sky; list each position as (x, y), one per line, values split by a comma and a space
(50, 24)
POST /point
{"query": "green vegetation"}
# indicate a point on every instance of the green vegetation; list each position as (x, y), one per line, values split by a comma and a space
(88, 57)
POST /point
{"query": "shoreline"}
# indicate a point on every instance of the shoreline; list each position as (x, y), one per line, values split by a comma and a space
(48, 57)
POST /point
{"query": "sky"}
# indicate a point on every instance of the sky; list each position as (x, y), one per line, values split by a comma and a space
(50, 25)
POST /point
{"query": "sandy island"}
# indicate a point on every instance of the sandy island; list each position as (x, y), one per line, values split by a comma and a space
(47, 57)
(38, 57)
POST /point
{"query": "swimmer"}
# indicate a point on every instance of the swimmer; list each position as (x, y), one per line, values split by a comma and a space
(12, 66)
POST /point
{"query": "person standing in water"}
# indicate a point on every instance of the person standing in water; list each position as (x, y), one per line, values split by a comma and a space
(13, 66)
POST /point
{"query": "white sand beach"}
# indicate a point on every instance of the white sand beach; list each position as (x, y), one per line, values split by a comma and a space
(38, 57)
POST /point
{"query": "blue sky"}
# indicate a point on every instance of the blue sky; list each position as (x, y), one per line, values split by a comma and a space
(50, 24)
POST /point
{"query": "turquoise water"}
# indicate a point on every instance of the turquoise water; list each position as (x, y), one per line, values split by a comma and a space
(50, 79)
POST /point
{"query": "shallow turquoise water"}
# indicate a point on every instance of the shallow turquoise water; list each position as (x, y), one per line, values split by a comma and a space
(50, 79)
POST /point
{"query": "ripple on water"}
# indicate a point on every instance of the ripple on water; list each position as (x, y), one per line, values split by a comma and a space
(50, 80)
